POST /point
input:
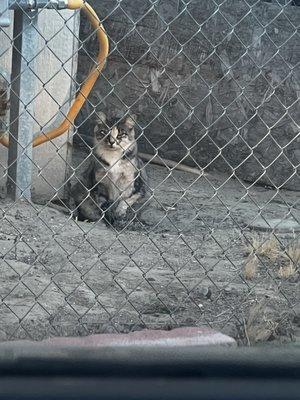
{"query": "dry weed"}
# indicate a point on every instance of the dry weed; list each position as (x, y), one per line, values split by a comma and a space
(259, 326)
(290, 262)
(287, 271)
(250, 268)
(293, 252)
(264, 247)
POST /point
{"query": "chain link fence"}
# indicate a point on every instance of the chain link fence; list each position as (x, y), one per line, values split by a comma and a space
(212, 89)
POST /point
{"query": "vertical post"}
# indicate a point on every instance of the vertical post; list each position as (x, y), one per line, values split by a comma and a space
(22, 122)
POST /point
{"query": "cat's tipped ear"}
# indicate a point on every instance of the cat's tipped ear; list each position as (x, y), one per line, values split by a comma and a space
(101, 117)
(130, 121)
(96, 129)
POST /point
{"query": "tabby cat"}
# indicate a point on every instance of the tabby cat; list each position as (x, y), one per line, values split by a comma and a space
(116, 178)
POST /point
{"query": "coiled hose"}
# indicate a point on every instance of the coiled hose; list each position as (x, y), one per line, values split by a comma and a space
(88, 84)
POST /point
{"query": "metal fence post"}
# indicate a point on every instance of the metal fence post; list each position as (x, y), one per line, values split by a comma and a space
(22, 120)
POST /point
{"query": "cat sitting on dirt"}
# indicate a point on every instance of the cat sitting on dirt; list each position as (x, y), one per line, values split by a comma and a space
(115, 179)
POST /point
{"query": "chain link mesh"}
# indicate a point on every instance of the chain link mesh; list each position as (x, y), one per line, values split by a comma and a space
(215, 87)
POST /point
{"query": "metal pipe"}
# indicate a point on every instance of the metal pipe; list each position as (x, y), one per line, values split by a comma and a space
(22, 122)
(86, 87)
(34, 4)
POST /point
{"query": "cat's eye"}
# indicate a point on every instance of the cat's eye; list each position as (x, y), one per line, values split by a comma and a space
(101, 133)
(123, 133)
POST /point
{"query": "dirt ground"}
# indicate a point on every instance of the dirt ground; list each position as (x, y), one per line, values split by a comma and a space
(187, 262)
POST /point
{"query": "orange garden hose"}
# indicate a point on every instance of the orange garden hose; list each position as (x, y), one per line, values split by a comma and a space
(88, 84)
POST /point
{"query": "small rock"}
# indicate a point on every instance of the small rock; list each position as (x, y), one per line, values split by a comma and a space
(18, 215)
(205, 292)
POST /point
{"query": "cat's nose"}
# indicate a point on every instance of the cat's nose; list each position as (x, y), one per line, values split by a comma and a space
(111, 140)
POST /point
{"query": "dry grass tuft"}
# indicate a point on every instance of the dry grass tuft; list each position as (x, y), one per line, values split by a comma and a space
(287, 271)
(264, 247)
(290, 262)
(287, 261)
(250, 268)
(293, 252)
(259, 326)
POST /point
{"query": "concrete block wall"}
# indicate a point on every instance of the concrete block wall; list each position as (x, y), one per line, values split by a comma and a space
(236, 85)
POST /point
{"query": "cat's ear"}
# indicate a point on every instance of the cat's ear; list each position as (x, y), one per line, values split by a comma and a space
(101, 117)
(96, 129)
(130, 121)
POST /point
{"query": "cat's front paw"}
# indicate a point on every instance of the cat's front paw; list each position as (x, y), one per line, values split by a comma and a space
(121, 209)
(115, 214)
(109, 215)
